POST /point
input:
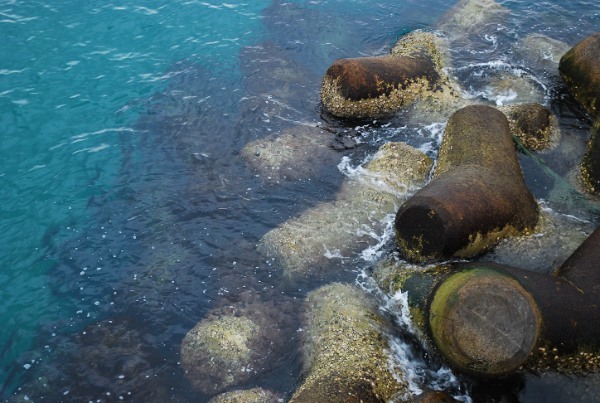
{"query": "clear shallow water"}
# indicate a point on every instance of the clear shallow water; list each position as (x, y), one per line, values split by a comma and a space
(123, 194)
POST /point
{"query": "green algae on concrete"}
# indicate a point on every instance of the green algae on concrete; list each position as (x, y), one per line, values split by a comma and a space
(303, 246)
(346, 349)
(483, 321)
(393, 276)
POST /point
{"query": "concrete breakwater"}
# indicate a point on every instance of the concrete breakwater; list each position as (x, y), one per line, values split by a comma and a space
(303, 246)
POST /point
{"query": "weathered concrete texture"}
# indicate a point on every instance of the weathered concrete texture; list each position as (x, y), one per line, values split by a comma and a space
(541, 52)
(375, 87)
(490, 319)
(255, 395)
(513, 87)
(580, 68)
(476, 197)
(590, 165)
(304, 245)
(536, 127)
(483, 321)
(231, 345)
(468, 17)
(346, 356)
(553, 239)
(295, 153)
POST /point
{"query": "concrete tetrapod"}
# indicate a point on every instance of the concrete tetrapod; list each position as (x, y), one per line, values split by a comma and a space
(580, 69)
(489, 319)
(476, 197)
(376, 87)
(345, 353)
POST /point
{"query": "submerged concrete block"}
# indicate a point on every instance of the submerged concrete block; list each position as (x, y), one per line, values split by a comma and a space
(303, 246)
(346, 349)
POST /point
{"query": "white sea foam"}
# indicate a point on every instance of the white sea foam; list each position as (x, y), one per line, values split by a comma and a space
(435, 132)
(374, 252)
(92, 149)
(498, 97)
(85, 135)
(333, 254)
(403, 357)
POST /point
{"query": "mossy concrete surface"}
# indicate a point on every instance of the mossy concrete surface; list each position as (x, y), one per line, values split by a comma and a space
(580, 69)
(377, 87)
(303, 246)
(346, 349)
(484, 321)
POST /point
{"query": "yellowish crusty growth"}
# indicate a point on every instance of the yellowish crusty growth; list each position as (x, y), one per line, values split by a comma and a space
(254, 395)
(589, 174)
(581, 362)
(216, 350)
(346, 349)
(535, 126)
(417, 45)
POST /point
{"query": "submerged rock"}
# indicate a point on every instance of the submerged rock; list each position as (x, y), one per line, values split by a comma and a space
(553, 239)
(255, 395)
(541, 52)
(510, 87)
(469, 17)
(114, 359)
(580, 68)
(295, 153)
(375, 87)
(304, 245)
(233, 344)
(536, 127)
(346, 345)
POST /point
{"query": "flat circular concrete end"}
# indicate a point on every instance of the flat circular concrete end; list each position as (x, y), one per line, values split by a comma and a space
(484, 322)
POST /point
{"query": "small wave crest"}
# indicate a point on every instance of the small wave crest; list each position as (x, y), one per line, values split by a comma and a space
(500, 82)
(407, 352)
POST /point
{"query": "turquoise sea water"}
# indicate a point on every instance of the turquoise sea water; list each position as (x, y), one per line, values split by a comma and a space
(123, 197)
